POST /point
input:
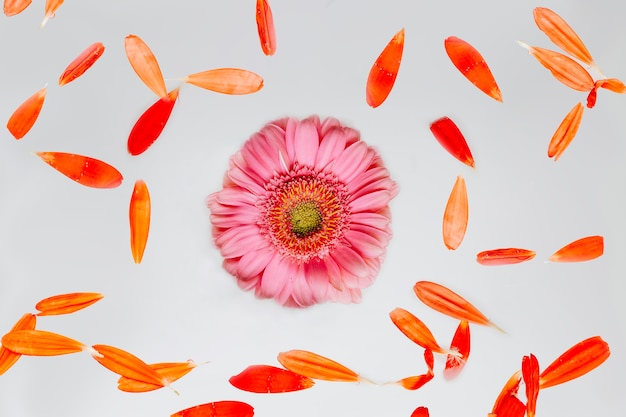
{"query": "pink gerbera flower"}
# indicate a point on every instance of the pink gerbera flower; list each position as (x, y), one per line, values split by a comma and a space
(303, 216)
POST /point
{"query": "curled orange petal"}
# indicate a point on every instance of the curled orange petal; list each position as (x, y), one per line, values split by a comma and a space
(40, 343)
(472, 65)
(383, 74)
(85, 170)
(7, 357)
(266, 379)
(25, 116)
(13, 7)
(461, 344)
(168, 372)
(232, 81)
(507, 404)
(145, 64)
(126, 364)
(612, 84)
(565, 132)
(315, 366)
(151, 123)
(584, 249)
(265, 26)
(66, 303)
(504, 256)
(81, 63)
(139, 216)
(218, 409)
(415, 330)
(530, 374)
(455, 216)
(450, 137)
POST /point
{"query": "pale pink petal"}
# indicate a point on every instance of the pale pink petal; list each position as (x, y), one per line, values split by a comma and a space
(364, 244)
(328, 124)
(371, 202)
(376, 220)
(351, 161)
(237, 241)
(253, 262)
(349, 260)
(244, 180)
(275, 276)
(234, 197)
(300, 290)
(290, 141)
(306, 143)
(317, 276)
(334, 273)
(331, 146)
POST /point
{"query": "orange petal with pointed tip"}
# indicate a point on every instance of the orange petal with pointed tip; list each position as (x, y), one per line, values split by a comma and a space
(51, 8)
(450, 137)
(578, 360)
(461, 344)
(40, 343)
(415, 329)
(530, 373)
(383, 74)
(126, 364)
(266, 379)
(145, 64)
(504, 256)
(7, 357)
(13, 7)
(218, 409)
(232, 81)
(566, 132)
(151, 123)
(66, 303)
(473, 66)
(168, 372)
(265, 26)
(139, 216)
(85, 170)
(612, 84)
(25, 116)
(81, 63)
(416, 382)
(507, 404)
(314, 366)
(455, 216)
(420, 412)
(584, 249)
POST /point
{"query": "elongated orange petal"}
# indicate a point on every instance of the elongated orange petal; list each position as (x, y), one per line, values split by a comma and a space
(151, 123)
(25, 116)
(578, 360)
(232, 81)
(565, 132)
(126, 364)
(612, 84)
(40, 343)
(507, 404)
(7, 357)
(81, 63)
(561, 34)
(530, 373)
(315, 366)
(455, 216)
(416, 382)
(145, 64)
(265, 26)
(504, 256)
(472, 65)
(415, 329)
(562, 67)
(266, 379)
(13, 7)
(218, 409)
(139, 216)
(420, 412)
(383, 74)
(461, 344)
(168, 372)
(85, 170)
(66, 303)
(584, 249)
(51, 8)
(450, 137)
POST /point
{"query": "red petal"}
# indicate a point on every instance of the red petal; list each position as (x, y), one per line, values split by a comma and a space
(265, 26)
(451, 138)
(505, 256)
(507, 404)
(461, 344)
(218, 409)
(530, 373)
(585, 249)
(266, 379)
(25, 116)
(85, 170)
(413, 383)
(593, 95)
(420, 412)
(151, 123)
(383, 74)
(81, 63)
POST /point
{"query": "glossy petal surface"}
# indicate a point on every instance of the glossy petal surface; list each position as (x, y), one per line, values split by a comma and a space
(218, 409)
(8, 357)
(315, 366)
(456, 215)
(383, 74)
(265, 27)
(67, 303)
(126, 364)
(415, 330)
(232, 81)
(145, 64)
(566, 132)
(82, 63)
(581, 250)
(266, 379)
(167, 371)
(420, 412)
(85, 170)
(461, 344)
(530, 374)
(504, 256)
(450, 137)
(151, 123)
(40, 343)
(25, 116)
(139, 218)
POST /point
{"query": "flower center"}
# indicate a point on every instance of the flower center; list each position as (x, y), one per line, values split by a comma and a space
(306, 219)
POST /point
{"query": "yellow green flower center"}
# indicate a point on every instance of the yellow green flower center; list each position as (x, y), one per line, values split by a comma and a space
(305, 219)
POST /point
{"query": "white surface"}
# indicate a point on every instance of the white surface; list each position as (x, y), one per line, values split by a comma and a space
(58, 236)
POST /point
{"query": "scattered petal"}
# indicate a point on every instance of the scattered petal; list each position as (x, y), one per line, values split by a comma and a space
(265, 26)
(51, 8)
(530, 373)
(612, 84)
(507, 404)
(85, 170)
(8, 357)
(66, 303)
(565, 132)
(151, 123)
(584, 249)
(266, 379)
(139, 216)
(25, 116)
(383, 74)
(420, 412)
(232, 81)
(82, 63)
(592, 97)
(218, 409)
(126, 364)
(455, 216)
(13, 7)
(40, 343)
(314, 366)
(461, 344)
(145, 64)
(450, 137)
(167, 371)
(504, 256)
(413, 383)
(416, 330)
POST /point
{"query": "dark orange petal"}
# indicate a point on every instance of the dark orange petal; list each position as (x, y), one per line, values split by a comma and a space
(218, 409)
(126, 364)
(592, 97)
(150, 124)
(81, 63)
(507, 404)
(530, 373)
(461, 344)
(565, 132)
(413, 383)
(612, 84)
(232, 81)
(51, 8)
(8, 357)
(450, 137)
(13, 7)
(85, 170)
(455, 216)
(472, 65)
(420, 412)
(314, 366)
(168, 372)
(504, 256)
(145, 64)
(266, 379)
(415, 329)
(139, 216)
(265, 26)
(581, 358)
(25, 116)
(447, 302)
(383, 74)
(40, 343)
(585, 249)
(66, 303)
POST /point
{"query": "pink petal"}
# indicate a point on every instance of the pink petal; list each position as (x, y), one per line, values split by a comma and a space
(328, 124)
(244, 180)
(306, 143)
(300, 290)
(237, 241)
(350, 162)
(254, 262)
(375, 220)
(234, 197)
(371, 202)
(290, 141)
(334, 273)
(275, 276)
(317, 277)
(351, 261)
(331, 146)
(365, 244)
(366, 178)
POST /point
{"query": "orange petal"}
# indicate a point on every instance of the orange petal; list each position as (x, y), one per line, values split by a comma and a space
(168, 371)
(13, 7)
(81, 63)
(413, 383)
(266, 379)
(145, 64)
(585, 249)
(593, 95)
(233, 81)
(530, 373)
(461, 344)
(416, 330)
(420, 412)
(562, 67)
(612, 84)
(581, 358)
(85, 170)
(265, 26)
(314, 366)
(126, 364)
(51, 7)
(218, 409)
(456, 215)
(40, 343)
(447, 302)
(507, 404)
(450, 137)
(561, 34)
(472, 65)
(24, 117)
(8, 357)
(565, 132)
(504, 256)
(151, 123)
(139, 216)
(383, 74)
(66, 303)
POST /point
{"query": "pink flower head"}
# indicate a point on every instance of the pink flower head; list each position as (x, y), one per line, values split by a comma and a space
(303, 216)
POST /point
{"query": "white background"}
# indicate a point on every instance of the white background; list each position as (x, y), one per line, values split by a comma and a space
(57, 236)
